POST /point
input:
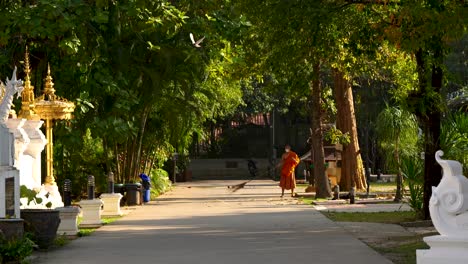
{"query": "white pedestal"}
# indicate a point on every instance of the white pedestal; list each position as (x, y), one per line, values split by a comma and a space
(111, 202)
(444, 250)
(68, 221)
(91, 210)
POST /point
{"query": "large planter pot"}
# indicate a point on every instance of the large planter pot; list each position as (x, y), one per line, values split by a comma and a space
(43, 224)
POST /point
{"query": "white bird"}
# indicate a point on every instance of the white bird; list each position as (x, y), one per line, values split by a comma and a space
(196, 43)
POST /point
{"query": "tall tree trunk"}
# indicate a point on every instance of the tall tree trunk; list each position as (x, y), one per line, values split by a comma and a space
(352, 170)
(137, 156)
(118, 170)
(399, 178)
(430, 122)
(132, 160)
(321, 179)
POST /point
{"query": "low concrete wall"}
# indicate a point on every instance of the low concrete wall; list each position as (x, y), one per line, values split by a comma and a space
(236, 168)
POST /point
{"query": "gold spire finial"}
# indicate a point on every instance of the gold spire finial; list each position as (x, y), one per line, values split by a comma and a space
(27, 80)
(49, 85)
(27, 70)
(27, 96)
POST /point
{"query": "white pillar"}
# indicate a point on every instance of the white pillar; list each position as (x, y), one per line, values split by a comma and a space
(2, 195)
(68, 220)
(91, 213)
(7, 146)
(7, 152)
(111, 202)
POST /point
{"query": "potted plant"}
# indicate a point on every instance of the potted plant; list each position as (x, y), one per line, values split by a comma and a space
(41, 223)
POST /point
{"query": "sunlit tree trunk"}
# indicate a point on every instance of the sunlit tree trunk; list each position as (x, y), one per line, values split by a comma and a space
(321, 179)
(399, 178)
(137, 168)
(352, 172)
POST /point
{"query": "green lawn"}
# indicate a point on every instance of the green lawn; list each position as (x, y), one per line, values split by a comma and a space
(403, 249)
(375, 187)
(382, 187)
(404, 253)
(88, 231)
(374, 217)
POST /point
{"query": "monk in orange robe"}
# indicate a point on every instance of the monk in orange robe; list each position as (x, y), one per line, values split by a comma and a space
(289, 161)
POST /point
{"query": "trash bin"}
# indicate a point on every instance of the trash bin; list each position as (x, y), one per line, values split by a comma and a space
(146, 184)
(120, 188)
(133, 193)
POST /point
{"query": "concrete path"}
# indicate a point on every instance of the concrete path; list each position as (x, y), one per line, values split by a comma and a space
(206, 223)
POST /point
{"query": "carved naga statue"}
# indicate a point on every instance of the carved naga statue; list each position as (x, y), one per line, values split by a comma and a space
(13, 87)
(449, 202)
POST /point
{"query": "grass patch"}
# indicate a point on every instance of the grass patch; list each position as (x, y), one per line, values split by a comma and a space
(109, 220)
(85, 232)
(306, 200)
(88, 231)
(310, 200)
(382, 187)
(403, 253)
(375, 217)
(61, 241)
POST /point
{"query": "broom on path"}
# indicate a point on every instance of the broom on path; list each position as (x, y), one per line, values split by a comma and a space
(235, 188)
(253, 172)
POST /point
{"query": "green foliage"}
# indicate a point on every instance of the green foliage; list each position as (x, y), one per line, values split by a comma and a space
(335, 136)
(160, 182)
(61, 241)
(412, 168)
(32, 196)
(15, 250)
(86, 232)
(397, 132)
(454, 138)
(141, 88)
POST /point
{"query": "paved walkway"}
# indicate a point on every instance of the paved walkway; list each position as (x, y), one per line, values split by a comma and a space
(205, 222)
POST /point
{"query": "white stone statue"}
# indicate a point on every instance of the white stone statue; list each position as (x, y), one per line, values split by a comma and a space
(449, 213)
(13, 87)
(449, 202)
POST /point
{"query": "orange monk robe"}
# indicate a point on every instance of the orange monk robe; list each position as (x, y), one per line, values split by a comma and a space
(290, 161)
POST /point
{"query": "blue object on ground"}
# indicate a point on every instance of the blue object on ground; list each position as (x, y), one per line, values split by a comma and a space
(146, 196)
(145, 181)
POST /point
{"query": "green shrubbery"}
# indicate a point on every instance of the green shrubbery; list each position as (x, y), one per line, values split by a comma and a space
(412, 168)
(160, 182)
(15, 250)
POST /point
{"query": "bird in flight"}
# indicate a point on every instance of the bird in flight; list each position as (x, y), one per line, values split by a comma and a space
(196, 43)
